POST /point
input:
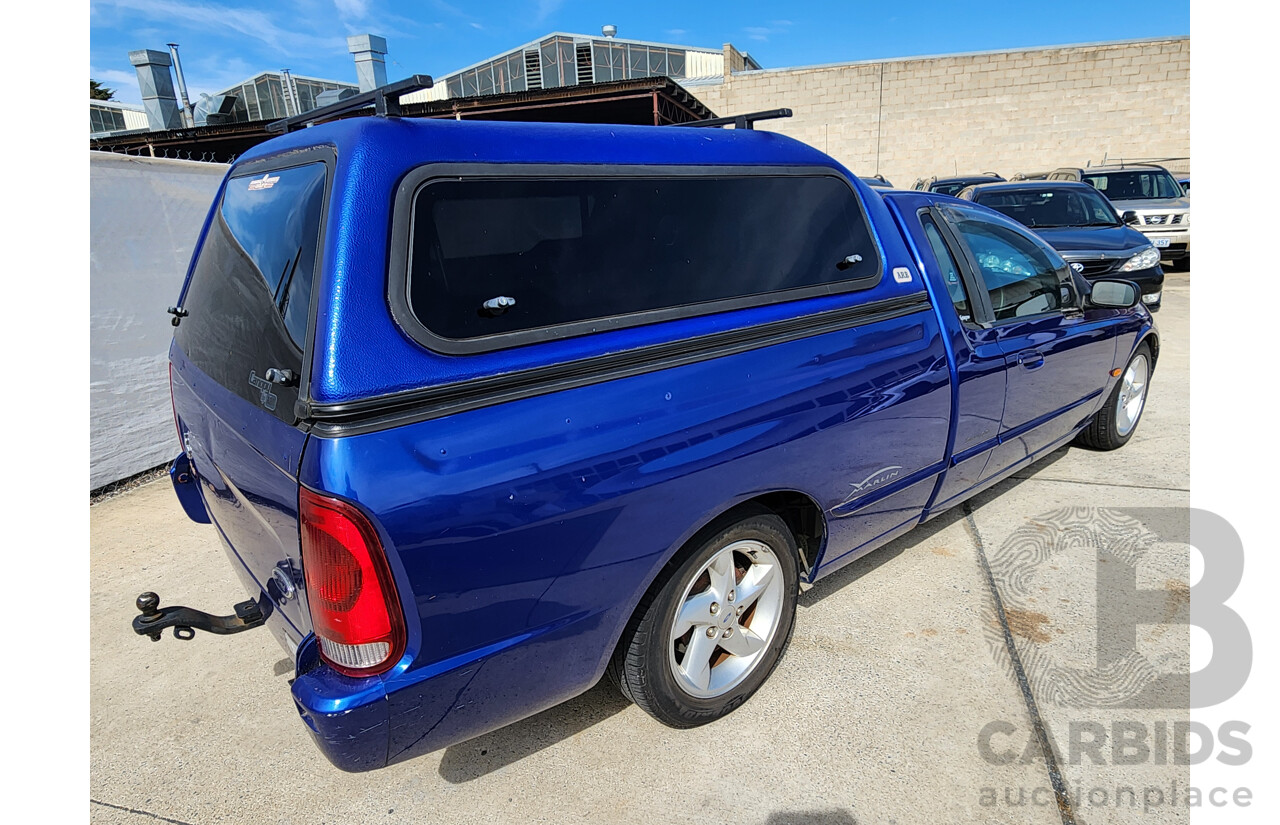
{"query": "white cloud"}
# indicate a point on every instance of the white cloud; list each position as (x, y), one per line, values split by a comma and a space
(248, 22)
(546, 8)
(124, 84)
(113, 77)
(762, 33)
(352, 9)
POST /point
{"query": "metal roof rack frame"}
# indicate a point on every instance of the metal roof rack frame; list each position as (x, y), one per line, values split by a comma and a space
(1123, 162)
(746, 121)
(384, 99)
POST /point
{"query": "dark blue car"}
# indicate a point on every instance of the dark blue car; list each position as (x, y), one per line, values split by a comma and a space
(1081, 224)
(483, 412)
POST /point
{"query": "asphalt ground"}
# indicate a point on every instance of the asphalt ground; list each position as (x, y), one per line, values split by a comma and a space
(900, 699)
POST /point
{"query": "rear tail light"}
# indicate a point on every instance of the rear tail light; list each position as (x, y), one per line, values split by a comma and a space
(355, 612)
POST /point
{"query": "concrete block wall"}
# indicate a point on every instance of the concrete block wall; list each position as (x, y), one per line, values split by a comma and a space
(1022, 110)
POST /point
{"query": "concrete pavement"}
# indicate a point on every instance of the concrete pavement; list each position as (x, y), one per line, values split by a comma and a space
(898, 701)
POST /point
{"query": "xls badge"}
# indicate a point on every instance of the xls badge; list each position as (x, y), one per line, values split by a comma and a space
(265, 396)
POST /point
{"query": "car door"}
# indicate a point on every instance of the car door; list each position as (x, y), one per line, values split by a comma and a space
(980, 362)
(1056, 359)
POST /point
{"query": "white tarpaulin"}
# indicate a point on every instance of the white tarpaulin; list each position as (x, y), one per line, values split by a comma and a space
(144, 218)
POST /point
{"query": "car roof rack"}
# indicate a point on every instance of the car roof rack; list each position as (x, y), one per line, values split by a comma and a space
(746, 121)
(1123, 162)
(384, 99)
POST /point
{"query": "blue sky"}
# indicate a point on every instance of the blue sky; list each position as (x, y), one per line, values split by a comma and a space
(225, 41)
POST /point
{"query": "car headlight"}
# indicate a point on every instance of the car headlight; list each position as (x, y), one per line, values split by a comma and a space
(1147, 258)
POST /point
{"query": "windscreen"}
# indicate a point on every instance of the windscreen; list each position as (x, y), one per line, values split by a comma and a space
(1147, 184)
(1050, 207)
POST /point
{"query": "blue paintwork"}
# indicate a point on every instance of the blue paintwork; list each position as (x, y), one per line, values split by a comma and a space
(186, 489)
(250, 490)
(522, 536)
(375, 153)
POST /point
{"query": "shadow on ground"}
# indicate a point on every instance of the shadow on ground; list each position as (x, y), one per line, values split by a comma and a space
(485, 754)
(830, 817)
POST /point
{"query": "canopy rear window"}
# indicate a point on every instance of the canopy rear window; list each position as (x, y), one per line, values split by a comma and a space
(250, 292)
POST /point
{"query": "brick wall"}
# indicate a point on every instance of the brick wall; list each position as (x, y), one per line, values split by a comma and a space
(1016, 111)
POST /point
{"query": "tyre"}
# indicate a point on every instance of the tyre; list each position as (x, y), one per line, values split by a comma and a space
(1114, 424)
(714, 625)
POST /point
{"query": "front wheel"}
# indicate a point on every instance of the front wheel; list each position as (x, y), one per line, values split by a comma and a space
(1114, 424)
(711, 631)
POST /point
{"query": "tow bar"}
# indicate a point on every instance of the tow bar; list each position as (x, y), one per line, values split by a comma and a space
(185, 621)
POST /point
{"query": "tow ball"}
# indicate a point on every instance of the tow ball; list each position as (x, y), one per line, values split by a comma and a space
(185, 621)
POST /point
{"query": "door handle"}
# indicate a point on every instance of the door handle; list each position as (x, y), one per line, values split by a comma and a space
(1032, 359)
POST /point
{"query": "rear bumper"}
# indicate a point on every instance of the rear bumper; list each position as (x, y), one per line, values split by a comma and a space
(364, 724)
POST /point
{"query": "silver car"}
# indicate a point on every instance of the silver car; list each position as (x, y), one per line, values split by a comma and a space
(1148, 198)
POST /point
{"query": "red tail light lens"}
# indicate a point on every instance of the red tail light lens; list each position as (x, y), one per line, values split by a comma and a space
(355, 611)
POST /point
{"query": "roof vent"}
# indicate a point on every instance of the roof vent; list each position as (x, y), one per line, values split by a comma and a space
(609, 31)
(214, 110)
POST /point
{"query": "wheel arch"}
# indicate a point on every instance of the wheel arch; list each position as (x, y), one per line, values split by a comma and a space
(802, 515)
(799, 511)
(1152, 339)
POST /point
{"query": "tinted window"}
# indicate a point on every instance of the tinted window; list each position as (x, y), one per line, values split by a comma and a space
(250, 291)
(1137, 185)
(588, 248)
(950, 271)
(1021, 275)
(1051, 207)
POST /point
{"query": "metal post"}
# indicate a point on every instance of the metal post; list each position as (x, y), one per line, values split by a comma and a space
(188, 112)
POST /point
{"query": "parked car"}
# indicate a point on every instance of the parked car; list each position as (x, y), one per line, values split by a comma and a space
(1083, 227)
(950, 186)
(1185, 183)
(877, 181)
(485, 411)
(1147, 197)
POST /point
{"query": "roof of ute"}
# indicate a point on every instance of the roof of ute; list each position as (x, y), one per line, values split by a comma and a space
(407, 142)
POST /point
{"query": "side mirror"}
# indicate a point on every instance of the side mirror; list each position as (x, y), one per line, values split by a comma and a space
(1129, 217)
(1113, 294)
